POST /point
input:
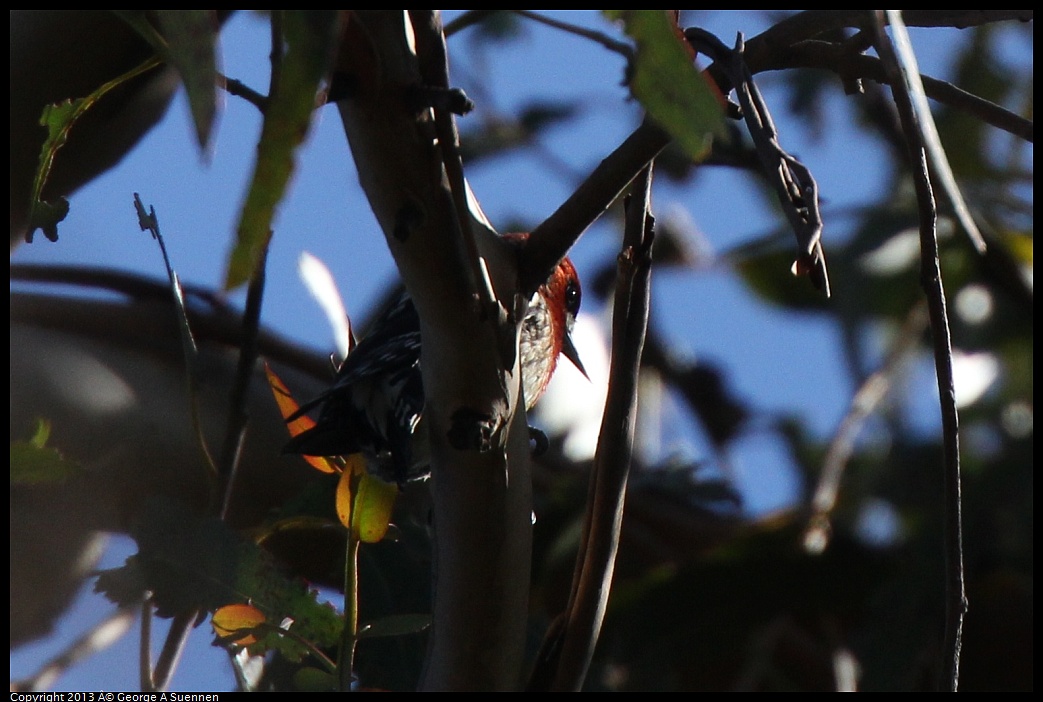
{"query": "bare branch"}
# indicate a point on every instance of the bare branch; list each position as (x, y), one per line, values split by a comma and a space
(852, 65)
(173, 646)
(794, 185)
(100, 637)
(552, 239)
(240, 89)
(762, 49)
(865, 401)
(620, 47)
(600, 539)
(238, 417)
(931, 279)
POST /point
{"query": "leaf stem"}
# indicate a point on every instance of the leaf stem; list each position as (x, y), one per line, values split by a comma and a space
(349, 637)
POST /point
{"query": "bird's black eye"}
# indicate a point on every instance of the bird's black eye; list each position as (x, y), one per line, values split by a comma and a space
(572, 297)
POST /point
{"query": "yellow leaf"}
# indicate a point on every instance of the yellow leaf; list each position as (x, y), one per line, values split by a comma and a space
(287, 406)
(373, 507)
(354, 466)
(343, 498)
(231, 619)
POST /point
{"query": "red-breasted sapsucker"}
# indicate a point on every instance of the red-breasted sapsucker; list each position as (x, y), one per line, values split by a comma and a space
(376, 403)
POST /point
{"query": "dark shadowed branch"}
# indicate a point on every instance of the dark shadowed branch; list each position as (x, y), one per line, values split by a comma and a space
(607, 490)
(931, 279)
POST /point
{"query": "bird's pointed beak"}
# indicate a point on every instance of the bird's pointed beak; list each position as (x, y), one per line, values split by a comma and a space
(568, 349)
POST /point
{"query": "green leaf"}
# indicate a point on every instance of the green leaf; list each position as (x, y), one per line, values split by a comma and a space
(372, 509)
(33, 463)
(191, 562)
(314, 680)
(42, 433)
(138, 21)
(124, 586)
(192, 50)
(188, 42)
(665, 81)
(396, 625)
(310, 38)
(59, 120)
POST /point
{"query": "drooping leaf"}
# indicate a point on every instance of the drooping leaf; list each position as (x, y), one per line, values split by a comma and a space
(191, 37)
(309, 37)
(232, 619)
(373, 506)
(138, 20)
(287, 406)
(187, 40)
(354, 470)
(317, 277)
(396, 625)
(59, 120)
(667, 83)
(364, 502)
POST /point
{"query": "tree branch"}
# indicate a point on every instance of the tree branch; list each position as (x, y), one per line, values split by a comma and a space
(481, 490)
(849, 65)
(552, 239)
(762, 49)
(600, 539)
(865, 401)
(931, 279)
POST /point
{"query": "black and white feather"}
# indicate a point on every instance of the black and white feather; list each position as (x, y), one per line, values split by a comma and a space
(376, 400)
(376, 403)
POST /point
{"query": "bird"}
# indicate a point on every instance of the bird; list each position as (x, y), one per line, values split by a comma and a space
(375, 405)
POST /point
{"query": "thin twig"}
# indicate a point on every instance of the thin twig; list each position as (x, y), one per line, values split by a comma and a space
(589, 598)
(349, 636)
(240, 89)
(865, 401)
(235, 431)
(931, 279)
(180, 626)
(101, 636)
(767, 46)
(849, 65)
(932, 142)
(794, 185)
(148, 221)
(620, 47)
(769, 50)
(145, 646)
(173, 646)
